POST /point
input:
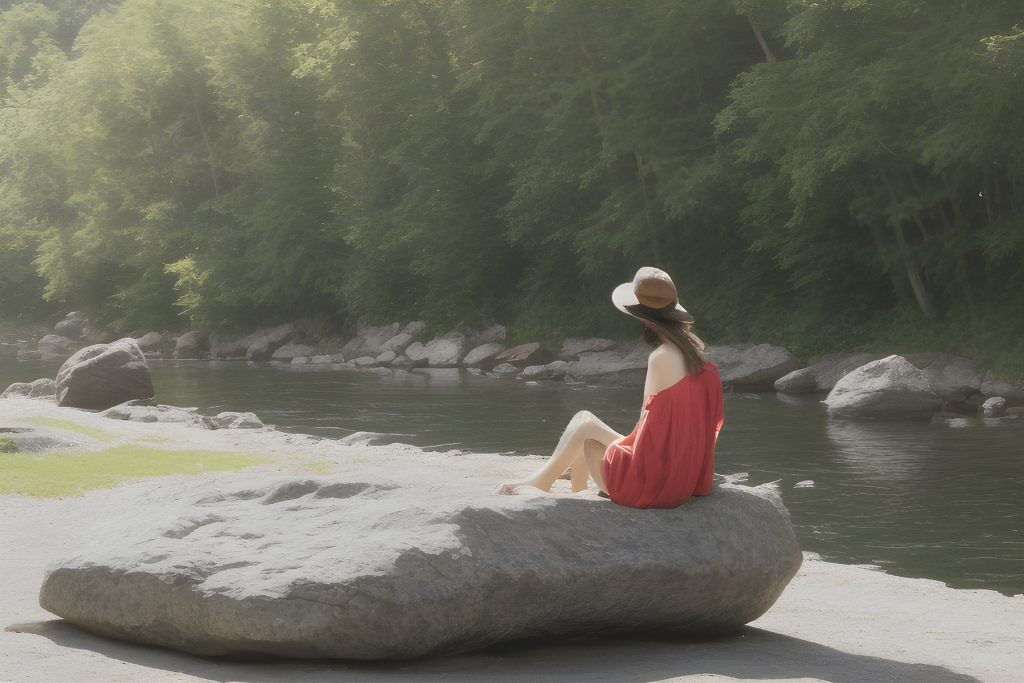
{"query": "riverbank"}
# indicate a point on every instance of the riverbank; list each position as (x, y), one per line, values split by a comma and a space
(833, 622)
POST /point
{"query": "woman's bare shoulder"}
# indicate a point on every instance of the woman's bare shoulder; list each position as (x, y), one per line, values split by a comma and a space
(665, 366)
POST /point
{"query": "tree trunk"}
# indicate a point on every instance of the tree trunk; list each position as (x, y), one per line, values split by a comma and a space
(768, 56)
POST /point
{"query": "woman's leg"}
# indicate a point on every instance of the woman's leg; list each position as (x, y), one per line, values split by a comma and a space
(571, 451)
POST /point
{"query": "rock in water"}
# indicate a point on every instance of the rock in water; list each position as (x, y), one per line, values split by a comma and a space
(103, 376)
(347, 568)
(885, 389)
(752, 367)
(823, 375)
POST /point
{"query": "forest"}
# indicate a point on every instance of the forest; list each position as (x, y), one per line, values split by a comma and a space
(825, 175)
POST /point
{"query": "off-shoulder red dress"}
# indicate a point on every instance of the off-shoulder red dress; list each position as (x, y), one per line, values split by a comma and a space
(671, 453)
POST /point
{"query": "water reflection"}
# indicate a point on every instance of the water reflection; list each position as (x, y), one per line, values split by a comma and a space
(879, 450)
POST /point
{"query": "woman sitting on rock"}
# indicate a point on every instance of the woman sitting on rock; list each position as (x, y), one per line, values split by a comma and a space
(669, 456)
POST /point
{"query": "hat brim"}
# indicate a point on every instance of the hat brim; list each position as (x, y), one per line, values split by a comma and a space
(625, 300)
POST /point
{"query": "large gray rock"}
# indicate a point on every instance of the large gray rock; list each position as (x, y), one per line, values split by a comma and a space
(72, 327)
(41, 388)
(954, 379)
(102, 376)
(823, 375)
(752, 366)
(443, 352)
(192, 345)
(483, 356)
(363, 568)
(150, 341)
(884, 389)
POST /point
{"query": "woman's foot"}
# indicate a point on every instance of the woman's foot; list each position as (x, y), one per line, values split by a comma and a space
(513, 488)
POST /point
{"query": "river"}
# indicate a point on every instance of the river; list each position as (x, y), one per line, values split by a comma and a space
(941, 500)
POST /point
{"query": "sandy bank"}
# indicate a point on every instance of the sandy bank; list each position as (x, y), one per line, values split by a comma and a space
(834, 623)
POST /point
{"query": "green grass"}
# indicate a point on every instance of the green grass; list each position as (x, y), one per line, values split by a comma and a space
(98, 434)
(71, 474)
(7, 445)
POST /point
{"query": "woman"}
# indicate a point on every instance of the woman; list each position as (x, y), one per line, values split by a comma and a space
(669, 456)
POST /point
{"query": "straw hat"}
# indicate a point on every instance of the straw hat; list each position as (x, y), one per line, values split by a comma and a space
(650, 296)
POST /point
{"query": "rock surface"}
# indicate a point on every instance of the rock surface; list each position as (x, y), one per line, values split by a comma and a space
(823, 375)
(104, 375)
(954, 379)
(258, 346)
(483, 356)
(41, 388)
(1013, 393)
(889, 388)
(233, 421)
(752, 366)
(557, 370)
(525, 355)
(993, 407)
(372, 568)
(192, 345)
(147, 411)
(443, 352)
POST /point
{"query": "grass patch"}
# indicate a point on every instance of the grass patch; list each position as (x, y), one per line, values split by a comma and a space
(7, 445)
(155, 438)
(72, 474)
(98, 434)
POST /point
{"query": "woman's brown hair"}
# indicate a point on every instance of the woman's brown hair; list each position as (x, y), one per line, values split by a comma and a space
(679, 334)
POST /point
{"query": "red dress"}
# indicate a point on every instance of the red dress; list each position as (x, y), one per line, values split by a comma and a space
(671, 453)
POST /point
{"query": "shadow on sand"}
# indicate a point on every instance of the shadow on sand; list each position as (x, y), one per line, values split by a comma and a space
(750, 654)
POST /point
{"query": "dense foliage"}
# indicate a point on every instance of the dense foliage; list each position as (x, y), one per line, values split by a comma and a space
(827, 175)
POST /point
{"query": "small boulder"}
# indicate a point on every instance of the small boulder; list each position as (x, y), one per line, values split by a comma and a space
(421, 564)
(483, 356)
(556, 370)
(365, 362)
(402, 363)
(321, 360)
(505, 369)
(375, 338)
(525, 355)
(41, 388)
(192, 345)
(103, 376)
(150, 341)
(823, 375)
(386, 357)
(397, 344)
(147, 411)
(884, 389)
(72, 327)
(292, 350)
(233, 421)
(443, 352)
(752, 367)
(993, 407)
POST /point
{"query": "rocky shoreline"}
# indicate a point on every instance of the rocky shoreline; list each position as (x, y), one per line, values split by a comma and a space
(858, 385)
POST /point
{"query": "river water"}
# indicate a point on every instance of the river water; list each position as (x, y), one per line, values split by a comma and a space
(941, 500)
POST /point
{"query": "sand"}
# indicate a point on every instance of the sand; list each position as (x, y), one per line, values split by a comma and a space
(836, 623)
